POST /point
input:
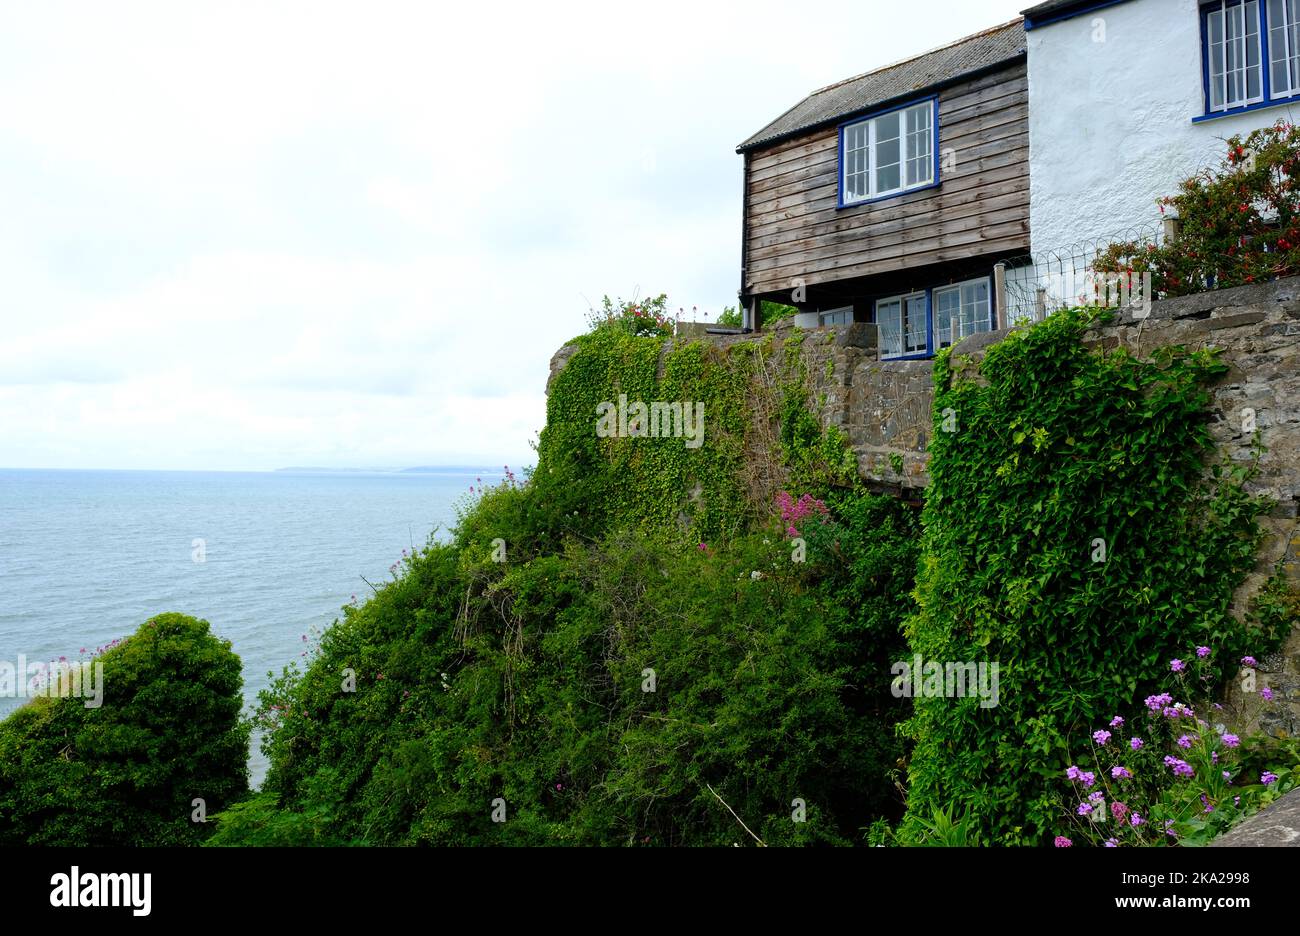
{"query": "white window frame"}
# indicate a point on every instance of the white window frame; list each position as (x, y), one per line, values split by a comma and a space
(833, 316)
(904, 349)
(979, 325)
(1222, 10)
(1288, 31)
(931, 106)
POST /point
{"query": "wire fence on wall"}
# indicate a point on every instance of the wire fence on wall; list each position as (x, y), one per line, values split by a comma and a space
(1041, 283)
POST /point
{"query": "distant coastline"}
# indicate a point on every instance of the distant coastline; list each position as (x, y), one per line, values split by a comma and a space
(419, 469)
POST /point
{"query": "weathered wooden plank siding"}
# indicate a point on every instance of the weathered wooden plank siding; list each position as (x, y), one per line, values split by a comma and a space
(793, 228)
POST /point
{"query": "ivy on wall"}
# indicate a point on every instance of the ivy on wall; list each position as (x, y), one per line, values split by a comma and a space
(1073, 536)
(662, 486)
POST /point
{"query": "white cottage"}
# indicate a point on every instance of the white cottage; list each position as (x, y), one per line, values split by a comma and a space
(1128, 98)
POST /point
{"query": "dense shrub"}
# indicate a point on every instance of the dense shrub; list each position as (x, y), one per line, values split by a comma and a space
(1239, 222)
(1073, 536)
(528, 683)
(127, 772)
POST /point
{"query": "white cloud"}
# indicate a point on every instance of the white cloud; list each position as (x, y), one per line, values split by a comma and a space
(246, 235)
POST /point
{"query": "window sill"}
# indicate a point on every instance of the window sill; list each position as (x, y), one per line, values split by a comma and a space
(924, 355)
(1248, 108)
(880, 198)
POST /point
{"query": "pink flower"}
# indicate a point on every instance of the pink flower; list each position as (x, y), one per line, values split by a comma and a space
(1062, 842)
(1267, 694)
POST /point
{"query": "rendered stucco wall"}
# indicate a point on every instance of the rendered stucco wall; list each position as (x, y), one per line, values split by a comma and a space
(1112, 95)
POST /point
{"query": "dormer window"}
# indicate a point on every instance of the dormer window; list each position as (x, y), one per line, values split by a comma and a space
(888, 153)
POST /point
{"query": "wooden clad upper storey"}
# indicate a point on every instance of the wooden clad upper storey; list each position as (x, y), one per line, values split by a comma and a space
(929, 164)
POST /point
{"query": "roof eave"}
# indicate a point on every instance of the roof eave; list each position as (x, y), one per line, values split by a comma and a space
(989, 69)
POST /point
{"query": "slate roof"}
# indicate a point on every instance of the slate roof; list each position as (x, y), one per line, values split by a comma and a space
(992, 47)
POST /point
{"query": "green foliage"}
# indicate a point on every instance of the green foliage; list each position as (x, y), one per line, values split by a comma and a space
(125, 773)
(1240, 221)
(730, 317)
(527, 681)
(585, 485)
(1073, 536)
(772, 312)
(645, 318)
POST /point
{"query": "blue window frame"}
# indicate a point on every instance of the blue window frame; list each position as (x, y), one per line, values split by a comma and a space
(919, 324)
(1250, 55)
(889, 152)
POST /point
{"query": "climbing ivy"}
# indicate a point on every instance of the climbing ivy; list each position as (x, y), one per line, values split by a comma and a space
(1073, 535)
(663, 487)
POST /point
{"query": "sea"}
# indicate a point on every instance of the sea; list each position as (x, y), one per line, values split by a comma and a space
(267, 558)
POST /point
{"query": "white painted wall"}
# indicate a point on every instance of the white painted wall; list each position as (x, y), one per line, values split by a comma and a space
(1112, 95)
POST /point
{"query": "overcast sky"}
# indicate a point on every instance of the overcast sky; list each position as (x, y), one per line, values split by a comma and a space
(250, 235)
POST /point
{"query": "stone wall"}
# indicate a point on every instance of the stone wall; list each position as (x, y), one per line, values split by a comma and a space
(883, 407)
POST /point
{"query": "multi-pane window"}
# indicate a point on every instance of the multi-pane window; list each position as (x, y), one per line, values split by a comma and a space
(837, 316)
(1284, 47)
(888, 154)
(1234, 54)
(961, 310)
(901, 327)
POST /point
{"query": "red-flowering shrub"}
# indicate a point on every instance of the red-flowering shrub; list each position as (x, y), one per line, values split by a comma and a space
(1240, 221)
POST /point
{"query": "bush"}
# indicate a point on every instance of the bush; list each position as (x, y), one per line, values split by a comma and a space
(126, 773)
(1240, 222)
(1072, 536)
(526, 683)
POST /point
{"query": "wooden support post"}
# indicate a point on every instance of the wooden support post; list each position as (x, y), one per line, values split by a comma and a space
(1000, 294)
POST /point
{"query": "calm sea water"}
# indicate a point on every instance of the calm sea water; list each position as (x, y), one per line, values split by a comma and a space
(87, 556)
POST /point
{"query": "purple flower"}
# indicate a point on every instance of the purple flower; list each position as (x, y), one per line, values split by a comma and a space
(1062, 842)
(1185, 741)
(1135, 743)
(1120, 773)
(1231, 740)
(1101, 737)
(1112, 843)
(1096, 796)
(1084, 809)
(1072, 772)
(1177, 665)
(1227, 775)
(1214, 757)
(1157, 702)
(1206, 803)
(1267, 694)
(1180, 767)
(1202, 651)
(1135, 820)
(1248, 661)
(1268, 777)
(1087, 779)
(1116, 722)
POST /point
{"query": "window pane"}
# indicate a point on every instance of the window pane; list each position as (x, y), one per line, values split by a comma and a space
(1214, 23)
(1254, 72)
(947, 306)
(887, 178)
(975, 314)
(918, 170)
(887, 127)
(890, 327)
(855, 162)
(916, 341)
